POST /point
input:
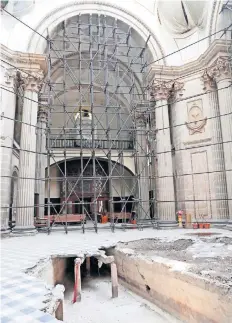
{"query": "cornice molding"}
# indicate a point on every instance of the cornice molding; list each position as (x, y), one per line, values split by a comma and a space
(218, 48)
(24, 61)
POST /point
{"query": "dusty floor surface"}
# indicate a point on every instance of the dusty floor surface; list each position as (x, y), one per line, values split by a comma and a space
(128, 307)
(208, 256)
(19, 254)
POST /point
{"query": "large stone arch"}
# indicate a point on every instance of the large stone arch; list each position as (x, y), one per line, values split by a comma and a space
(35, 38)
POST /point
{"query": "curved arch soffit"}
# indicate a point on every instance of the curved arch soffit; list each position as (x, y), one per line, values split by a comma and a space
(121, 100)
(55, 73)
(215, 11)
(99, 158)
(50, 21)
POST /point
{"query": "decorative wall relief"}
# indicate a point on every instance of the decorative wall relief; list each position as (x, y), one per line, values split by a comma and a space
(196, 120)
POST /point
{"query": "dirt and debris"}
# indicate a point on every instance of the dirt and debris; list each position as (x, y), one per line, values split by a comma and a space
(209, 257)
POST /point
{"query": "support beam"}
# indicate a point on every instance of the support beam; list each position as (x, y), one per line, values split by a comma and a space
(77, 284)
(114, 280)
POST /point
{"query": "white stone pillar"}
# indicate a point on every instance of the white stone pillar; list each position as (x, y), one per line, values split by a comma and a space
(27, 159)
(165, 196)
(217, 175)
(41, 160)
(220, 70)
(7, 140)
(142, 165)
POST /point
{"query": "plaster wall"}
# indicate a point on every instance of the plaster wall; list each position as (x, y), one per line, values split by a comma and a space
(184, 295)
(194, 164)
(51, 270)
(54, 184)
(123, 187)
(59, 266)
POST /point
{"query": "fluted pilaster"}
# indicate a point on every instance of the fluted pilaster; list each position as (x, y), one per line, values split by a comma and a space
(27, 163)
(165, 196)
(221, 72)
(41, 159)
(7, 139)
(217, 173)
(141, 163)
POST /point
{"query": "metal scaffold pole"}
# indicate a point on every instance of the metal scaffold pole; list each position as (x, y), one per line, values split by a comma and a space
(93, 119)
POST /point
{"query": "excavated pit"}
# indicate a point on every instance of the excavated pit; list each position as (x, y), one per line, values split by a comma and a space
(189, 278)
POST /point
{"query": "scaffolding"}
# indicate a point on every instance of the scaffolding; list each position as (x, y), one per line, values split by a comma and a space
(101, 128)
(106, 70)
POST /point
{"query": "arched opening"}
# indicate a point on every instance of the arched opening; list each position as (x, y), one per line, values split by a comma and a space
(97, 72)
(79, 193)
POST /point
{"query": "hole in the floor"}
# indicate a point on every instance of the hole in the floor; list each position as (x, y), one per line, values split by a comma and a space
(95, 271)
(64, 272)
(148, 288)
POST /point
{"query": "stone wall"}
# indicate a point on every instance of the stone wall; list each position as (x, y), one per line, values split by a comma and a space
(182, 294)
(59, 267)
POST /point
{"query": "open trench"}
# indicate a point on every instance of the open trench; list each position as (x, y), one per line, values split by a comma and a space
(158, 282)
(97, 304)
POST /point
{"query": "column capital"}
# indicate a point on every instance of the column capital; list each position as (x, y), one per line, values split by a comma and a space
(44, 102)
(209, 83)
(42, 114)
(141, 119)
(161, 89)
(32, 81)
(220, 69)
(177, 89)
(10, 78)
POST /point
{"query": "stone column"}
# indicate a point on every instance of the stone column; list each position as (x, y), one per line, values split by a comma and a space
(152, 168)
(164, 176)
(7, 138)
(220, 70)
(41, 160)
(27, 159)
(217, 175)
(142, 164)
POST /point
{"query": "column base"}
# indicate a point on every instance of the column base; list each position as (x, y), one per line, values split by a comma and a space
(24, 231)
(168, 225)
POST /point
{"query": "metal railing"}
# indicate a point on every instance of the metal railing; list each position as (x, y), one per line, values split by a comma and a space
(87, 143)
